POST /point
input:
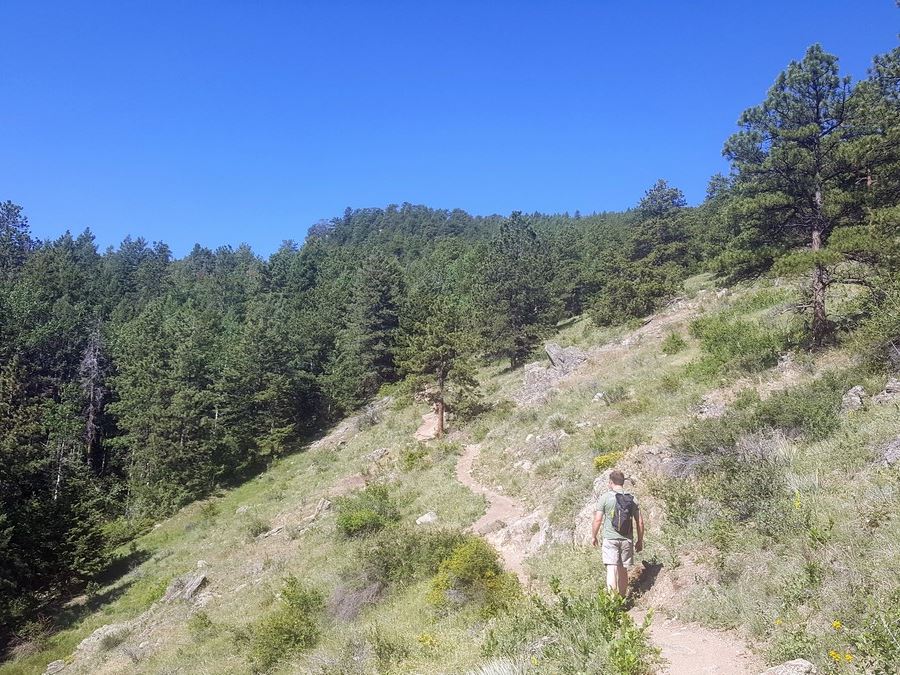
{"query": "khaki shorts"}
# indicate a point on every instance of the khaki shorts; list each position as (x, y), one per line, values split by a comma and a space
(618, 552)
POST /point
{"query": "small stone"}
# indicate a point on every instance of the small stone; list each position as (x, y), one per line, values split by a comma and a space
(241, 509)
(427, 518)
(273, 531)
(529, 438)
(201, 564)
(599, 397)
(54, 667)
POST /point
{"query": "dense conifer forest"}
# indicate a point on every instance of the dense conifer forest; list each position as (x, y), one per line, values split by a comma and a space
(132, 382)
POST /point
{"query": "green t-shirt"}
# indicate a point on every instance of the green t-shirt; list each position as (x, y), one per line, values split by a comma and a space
(607, 506)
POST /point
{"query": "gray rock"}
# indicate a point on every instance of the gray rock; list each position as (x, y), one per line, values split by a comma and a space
(890, 452)
(427, 518)
(853, 400)
(100, 637)
(565, 359)
(54, 667)
(241, 509)
(375, 455)
(710, 408)
(599, 397)
(795, 667)
(185, 586)
(891, 393)
(272, 532)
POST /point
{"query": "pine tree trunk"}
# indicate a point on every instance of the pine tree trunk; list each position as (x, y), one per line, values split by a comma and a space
(439, 407)
(440, 417)
(819, 282)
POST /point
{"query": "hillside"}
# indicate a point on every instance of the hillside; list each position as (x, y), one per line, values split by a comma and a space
(771, 505)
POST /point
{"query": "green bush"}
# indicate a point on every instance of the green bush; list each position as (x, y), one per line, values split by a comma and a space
(200, 626)
(402, 555)
(809, 410)
(253, 526)
(473, 573)
(679, 496)
(588, 634)
(290, 628)
(736, 345)
(367, 511)
(673, 344)
(413, 458)
(608, 440)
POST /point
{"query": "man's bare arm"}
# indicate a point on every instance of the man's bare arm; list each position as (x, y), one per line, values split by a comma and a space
(598, 523)
(640, 531)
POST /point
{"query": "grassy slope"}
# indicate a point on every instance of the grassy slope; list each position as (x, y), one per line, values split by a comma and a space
(655, 399)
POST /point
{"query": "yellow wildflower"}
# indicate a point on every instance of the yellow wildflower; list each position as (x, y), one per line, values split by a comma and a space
(848, 657)
(778, 621)
(797, 502)
(837, 625)
(835, 655)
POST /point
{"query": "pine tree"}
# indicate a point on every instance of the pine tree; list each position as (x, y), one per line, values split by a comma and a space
(797, 171)
(515, 305)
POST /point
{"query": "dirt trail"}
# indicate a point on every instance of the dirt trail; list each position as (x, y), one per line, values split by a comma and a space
(502, 510)
(688, 649)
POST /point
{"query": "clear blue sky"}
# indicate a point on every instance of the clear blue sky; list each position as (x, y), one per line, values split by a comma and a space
(222, 121)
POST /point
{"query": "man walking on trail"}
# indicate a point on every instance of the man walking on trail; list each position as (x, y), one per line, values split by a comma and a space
(618, 514)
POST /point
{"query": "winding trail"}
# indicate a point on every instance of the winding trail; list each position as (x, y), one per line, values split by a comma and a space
(502, 511)
(688, 649)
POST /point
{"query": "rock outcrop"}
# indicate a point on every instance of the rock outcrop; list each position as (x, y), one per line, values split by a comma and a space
(540, 380)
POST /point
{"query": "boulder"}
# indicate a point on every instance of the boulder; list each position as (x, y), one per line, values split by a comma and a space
(100, 638)
(853, 400)
(54, 667)
(185, 586)
(891, 393)
(890, 452)
(427, 518)
(795, 667)
(565, 359)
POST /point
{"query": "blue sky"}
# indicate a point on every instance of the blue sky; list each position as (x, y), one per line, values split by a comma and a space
(223, 122)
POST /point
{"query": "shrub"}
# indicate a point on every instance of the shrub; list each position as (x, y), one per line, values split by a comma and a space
(473, 573)
(200, 626)
(808, 410)
(607, 460)
(589, 634)
(736, 344)
(673, 344)
(367, 511)
(615, 439)
(403, 555)
(679, 496)
(253, 526)
(292, 627)
(413, 458)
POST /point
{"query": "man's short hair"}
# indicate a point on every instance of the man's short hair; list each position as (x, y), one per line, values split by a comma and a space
(617, 477)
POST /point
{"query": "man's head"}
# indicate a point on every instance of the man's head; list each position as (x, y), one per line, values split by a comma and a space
(616, 478)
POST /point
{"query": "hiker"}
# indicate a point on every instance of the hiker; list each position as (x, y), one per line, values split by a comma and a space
(618, 514)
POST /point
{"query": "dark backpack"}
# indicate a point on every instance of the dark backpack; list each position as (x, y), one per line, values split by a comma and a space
(624, 513)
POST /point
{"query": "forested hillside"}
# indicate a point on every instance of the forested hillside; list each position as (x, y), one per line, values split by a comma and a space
(133, 383)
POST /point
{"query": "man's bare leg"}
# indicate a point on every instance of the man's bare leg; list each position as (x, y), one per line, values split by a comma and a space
(622, 575)
(612, 578)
